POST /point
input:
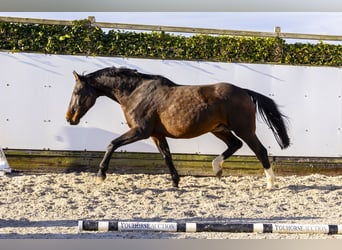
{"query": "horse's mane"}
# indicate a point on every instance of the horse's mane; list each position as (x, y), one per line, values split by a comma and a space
(127, 72)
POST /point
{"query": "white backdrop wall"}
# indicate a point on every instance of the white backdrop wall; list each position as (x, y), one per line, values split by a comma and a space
(35, 90)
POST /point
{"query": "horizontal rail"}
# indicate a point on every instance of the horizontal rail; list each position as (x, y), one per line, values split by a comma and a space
(277, 32)
(42, 161)
(34, 21)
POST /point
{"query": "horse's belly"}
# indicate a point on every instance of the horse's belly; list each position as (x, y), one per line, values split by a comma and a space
(189, 125)
(184, 133)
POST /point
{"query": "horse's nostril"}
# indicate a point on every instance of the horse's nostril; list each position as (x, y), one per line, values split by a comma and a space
(68, 117)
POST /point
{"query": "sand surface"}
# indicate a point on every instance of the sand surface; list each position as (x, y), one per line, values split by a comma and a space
(50, 205)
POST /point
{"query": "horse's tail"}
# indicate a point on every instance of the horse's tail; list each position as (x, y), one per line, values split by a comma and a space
(269, 112)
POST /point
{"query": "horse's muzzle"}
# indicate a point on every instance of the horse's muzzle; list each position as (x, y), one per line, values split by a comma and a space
(71, 119)
(71, 122)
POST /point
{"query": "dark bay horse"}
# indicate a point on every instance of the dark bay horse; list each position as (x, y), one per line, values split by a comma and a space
(158, 108)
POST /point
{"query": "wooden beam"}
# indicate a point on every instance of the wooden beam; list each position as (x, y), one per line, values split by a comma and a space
(34, 21)
(39, 161)
(176, 29)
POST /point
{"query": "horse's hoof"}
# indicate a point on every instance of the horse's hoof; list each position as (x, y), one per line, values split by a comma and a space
(100, 179)
(218, 174)
(175, 185)
(175, 181)
(269, 186)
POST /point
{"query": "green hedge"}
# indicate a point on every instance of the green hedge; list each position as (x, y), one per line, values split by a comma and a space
(82, 38)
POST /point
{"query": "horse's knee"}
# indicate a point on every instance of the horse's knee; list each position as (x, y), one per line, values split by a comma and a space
(110, 147)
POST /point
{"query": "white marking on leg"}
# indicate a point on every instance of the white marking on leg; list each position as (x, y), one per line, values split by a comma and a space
(270, 178)
(217, 164)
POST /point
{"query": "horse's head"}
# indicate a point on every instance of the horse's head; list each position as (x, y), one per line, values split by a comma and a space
(82, 99)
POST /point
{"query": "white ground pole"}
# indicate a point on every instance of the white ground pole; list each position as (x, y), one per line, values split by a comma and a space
(4, 166)
(91, 225)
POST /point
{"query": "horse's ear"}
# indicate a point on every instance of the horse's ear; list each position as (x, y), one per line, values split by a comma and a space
(77, 76)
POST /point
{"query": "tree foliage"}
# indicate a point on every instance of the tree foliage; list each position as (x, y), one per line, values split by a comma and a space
(83, 38)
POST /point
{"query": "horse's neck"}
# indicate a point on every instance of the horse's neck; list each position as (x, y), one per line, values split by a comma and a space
(119, 89)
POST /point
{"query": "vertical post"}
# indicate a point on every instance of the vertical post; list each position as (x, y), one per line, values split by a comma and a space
(92, 20)
(4, 166)
(278, 50)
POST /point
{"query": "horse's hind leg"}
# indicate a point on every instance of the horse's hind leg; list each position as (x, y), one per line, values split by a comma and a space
(163, 148)
(233, 144)
(261, 153)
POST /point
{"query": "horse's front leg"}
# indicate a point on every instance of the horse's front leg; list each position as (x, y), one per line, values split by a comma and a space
(163, 148)
(133, 135)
